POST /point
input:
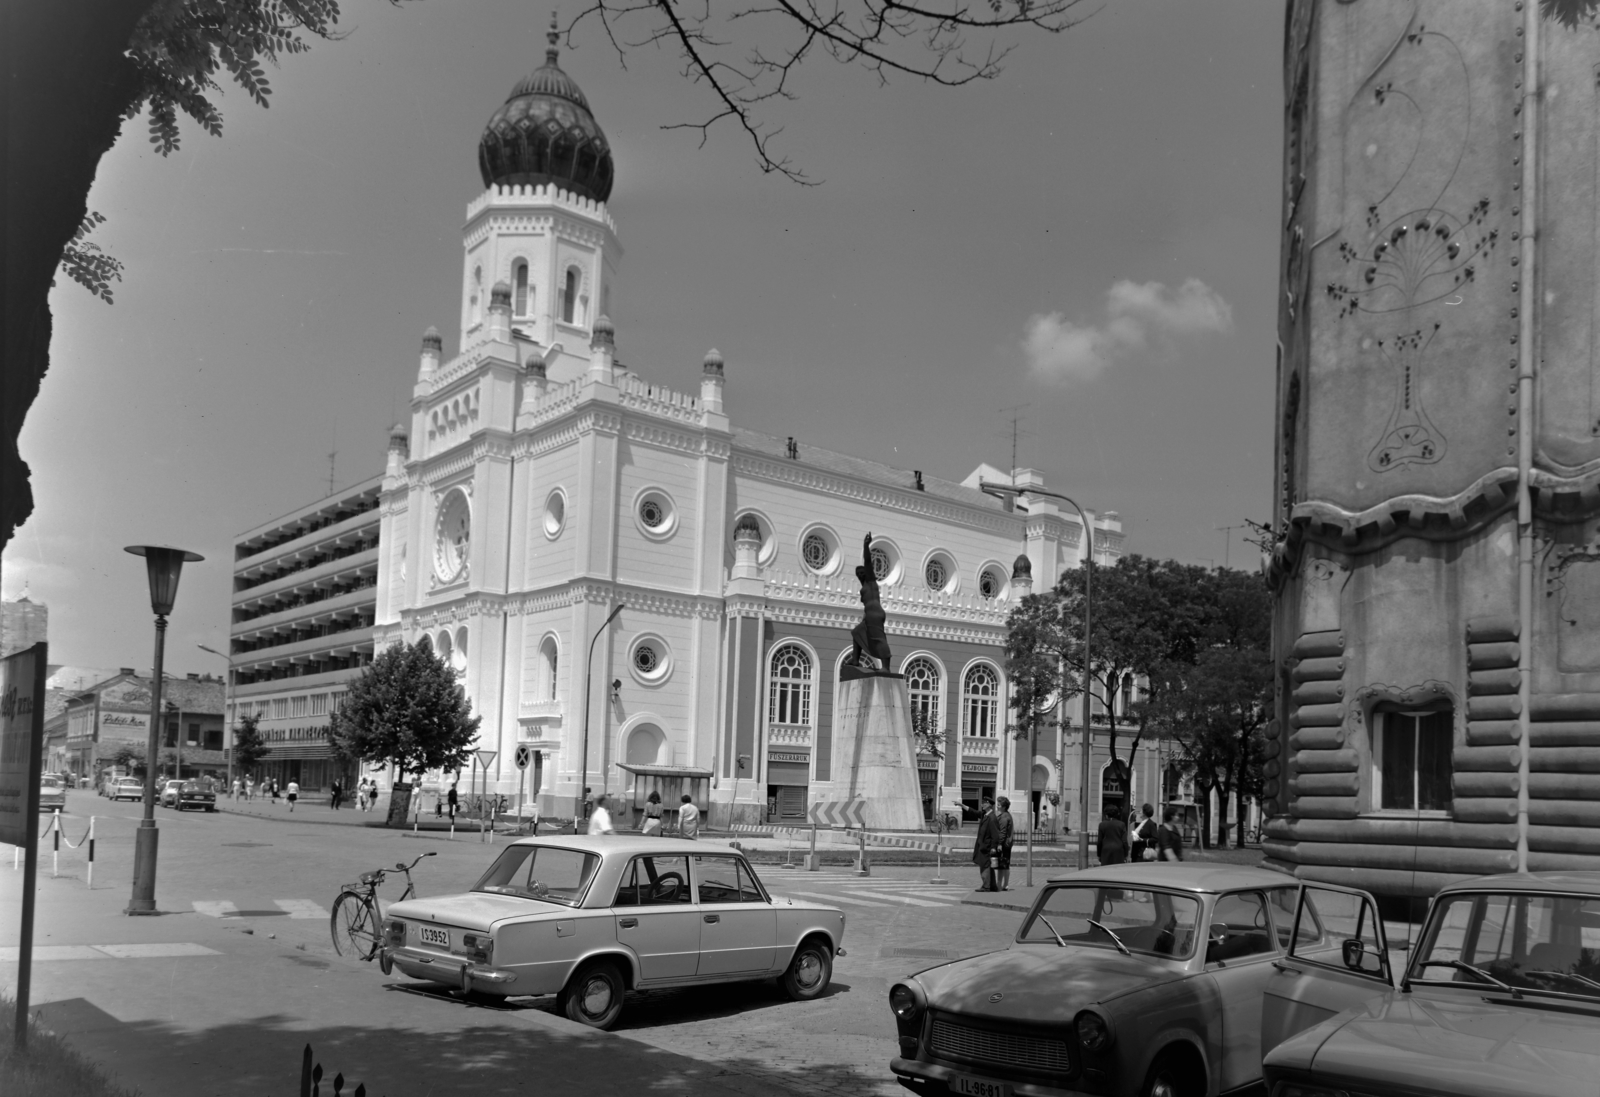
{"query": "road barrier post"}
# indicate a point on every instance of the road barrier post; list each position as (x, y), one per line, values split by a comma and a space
(862, 868)
(90, 876)
(55, 842)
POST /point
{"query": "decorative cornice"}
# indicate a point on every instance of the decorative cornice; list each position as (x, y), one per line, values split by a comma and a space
(663, 437)
(797, 474)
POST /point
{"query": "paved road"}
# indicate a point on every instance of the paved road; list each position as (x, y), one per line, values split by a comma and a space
(222, 991)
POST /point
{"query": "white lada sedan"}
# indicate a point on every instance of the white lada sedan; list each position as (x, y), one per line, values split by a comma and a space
(589, 918)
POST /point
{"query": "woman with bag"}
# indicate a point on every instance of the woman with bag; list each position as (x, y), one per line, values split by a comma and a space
(1144, 835)
(1169, 841)
(652, 814)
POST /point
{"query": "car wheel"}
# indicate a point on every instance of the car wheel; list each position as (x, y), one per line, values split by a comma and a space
(1174, 1076)
(593, 996)
(809, 972)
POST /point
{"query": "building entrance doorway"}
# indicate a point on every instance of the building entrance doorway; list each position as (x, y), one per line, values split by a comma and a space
(972, 798)
(1114, 788)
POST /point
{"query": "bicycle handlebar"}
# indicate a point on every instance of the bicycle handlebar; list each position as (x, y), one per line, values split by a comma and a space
(407, 868)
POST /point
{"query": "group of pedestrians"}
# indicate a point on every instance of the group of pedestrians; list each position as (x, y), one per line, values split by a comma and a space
(991, 852)
(599, 812)
(1141, 838)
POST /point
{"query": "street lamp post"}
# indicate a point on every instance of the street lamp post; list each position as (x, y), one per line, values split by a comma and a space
(588, 690)
(163, 565)
(1007, 490)
(227, 709)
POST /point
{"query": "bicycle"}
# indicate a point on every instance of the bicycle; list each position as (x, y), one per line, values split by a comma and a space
(357, 920)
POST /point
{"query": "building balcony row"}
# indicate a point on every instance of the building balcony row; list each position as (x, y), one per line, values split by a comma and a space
(357, 559)
(307, 605)
(305, 641)
(320, 669)
(302, 535)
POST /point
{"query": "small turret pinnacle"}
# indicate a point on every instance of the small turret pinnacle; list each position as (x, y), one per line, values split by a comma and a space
(554, 38)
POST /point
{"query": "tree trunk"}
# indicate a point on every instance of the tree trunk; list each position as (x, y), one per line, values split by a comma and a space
(1222, 816)
(65, 87)
(1205, 814)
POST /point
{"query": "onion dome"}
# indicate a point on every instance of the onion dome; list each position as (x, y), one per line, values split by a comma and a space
(545, 133)
(432, 341)
(712, 364)
(1022, 568)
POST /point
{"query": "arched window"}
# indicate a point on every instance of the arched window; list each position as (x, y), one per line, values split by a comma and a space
(980, 699)
(790, 695)
(922, 683)
(552, 657)
(569, 296)
(477, 294)
(644, 745)
(524, 299)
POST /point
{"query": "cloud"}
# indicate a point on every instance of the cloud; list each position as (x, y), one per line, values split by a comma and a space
(1139, 316)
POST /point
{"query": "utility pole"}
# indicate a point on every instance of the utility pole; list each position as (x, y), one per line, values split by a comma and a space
(1227, 533)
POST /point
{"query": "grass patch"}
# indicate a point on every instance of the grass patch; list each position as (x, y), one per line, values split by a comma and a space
(49, 1068)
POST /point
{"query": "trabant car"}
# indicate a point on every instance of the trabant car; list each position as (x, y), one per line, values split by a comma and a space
(590, 917)
(131, 788)
(52, 793)
(1141, 979)
(167, 792)
(1500, 997)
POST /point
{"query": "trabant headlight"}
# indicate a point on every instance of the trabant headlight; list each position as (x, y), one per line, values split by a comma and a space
(394, 933)
(1301, 1089)
(1093, 1032)
(906, 1001)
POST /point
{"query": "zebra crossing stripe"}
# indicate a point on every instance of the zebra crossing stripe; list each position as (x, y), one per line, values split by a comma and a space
(301, 908)
(841, 899)
(908, 900)
(215, 908)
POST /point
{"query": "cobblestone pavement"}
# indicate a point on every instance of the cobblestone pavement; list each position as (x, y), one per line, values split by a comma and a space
(243, 957)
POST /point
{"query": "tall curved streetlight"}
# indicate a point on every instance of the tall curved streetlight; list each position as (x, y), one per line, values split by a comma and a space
(1007, 491)
(163, 564)
(588, 690)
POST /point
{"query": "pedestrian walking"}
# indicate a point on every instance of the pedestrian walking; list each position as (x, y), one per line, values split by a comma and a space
(249, 788)
(361, 794)
(273, 783)
(1169, 840)
(1112, 841)
(236, 786)
(453, 800)
(652, 814)
(1008, 835)
(1143, 836)
(600, 818)
(986, 848)
(688, 819)
(336, 789)
(294, 793)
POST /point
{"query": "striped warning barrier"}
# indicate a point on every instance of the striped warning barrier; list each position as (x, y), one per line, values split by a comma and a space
(900, 841)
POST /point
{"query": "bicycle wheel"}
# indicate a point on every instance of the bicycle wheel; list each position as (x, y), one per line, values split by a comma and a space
(355, 929)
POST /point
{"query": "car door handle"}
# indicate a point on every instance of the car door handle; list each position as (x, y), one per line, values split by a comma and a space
(1283, 967)
(628, 923)
(713, 917)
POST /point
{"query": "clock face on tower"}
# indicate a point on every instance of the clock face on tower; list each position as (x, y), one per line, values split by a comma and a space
(453, 537)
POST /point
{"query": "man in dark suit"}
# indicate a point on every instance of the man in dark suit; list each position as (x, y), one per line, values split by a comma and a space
(1112, 842)
(987, 847)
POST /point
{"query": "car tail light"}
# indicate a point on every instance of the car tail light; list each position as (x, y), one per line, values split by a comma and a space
(394, 933)
(480, 947)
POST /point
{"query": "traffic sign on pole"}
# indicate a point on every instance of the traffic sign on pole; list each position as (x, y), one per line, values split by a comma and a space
(524, 755)
(838, 813)
(485, 757)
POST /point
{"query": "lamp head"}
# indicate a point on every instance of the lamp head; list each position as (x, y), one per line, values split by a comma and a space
(164, 564)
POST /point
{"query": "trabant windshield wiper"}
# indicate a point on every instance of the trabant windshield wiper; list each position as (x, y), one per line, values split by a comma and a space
(1055, 932)
(1573, 975)
(1462, 965)
(1122, 948)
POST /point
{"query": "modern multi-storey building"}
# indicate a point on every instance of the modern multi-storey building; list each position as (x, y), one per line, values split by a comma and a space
(304, 589)
(543, 485)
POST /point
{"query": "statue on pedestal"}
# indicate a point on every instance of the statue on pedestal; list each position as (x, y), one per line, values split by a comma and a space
(869, 654)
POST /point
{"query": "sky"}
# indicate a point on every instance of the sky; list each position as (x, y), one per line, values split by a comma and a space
(1088, 242)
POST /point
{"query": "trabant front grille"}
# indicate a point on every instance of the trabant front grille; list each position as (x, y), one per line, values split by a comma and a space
(1020, 1051)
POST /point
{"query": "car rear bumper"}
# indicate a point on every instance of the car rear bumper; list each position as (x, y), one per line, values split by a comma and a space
(936, 1080)
(452, 970)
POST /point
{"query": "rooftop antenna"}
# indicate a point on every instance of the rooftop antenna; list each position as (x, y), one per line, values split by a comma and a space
(332, 456)
(1227, 533)
(1016, 423)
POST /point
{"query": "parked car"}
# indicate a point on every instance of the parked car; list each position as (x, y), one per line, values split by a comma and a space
(167, 792)
(131, 788)
(590, 918)
(1140, 979)
(1500, 998)
(52, 793)
(196, 794)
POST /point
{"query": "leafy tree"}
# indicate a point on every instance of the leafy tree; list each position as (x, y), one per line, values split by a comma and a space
(78, 69)
(1039, 648)
(408, 710)
(127, 756)
(248, 746)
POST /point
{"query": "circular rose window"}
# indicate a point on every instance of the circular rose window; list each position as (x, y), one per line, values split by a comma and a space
(817, 551)
(453, 537)
(935, 574)
(990, 583)
(652, 514)
(882, 563)
(646, 659)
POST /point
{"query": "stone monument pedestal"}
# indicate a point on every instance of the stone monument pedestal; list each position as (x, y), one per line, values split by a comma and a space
(873, 743)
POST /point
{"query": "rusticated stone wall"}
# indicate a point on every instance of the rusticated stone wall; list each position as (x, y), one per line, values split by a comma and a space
(1396, 564)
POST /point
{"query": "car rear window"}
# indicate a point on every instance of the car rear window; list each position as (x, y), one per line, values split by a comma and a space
(549, 873)
(1158, 923)
(50, 782)
(1536, 942)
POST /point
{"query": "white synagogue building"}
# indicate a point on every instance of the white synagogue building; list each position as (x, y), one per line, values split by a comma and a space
(542, 484)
